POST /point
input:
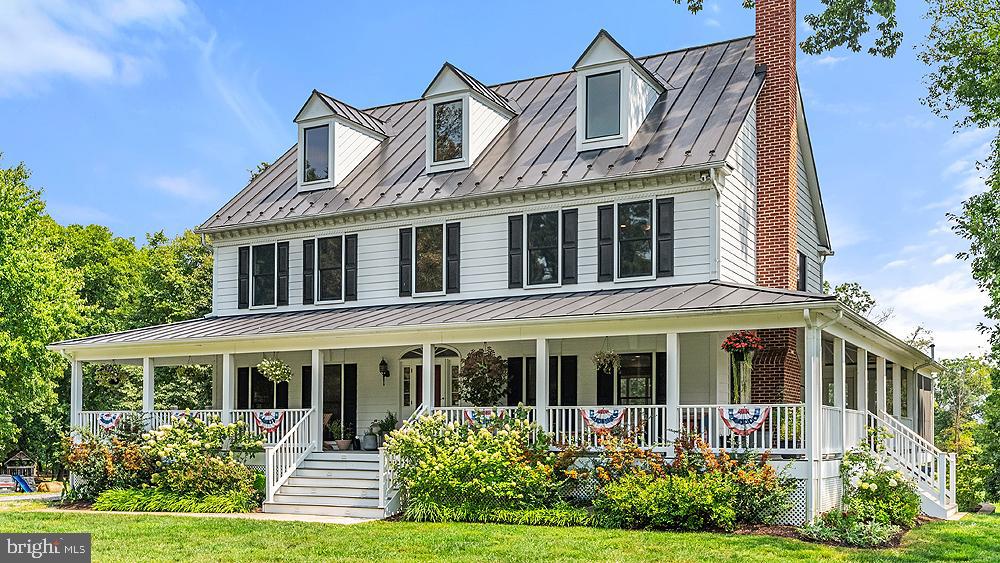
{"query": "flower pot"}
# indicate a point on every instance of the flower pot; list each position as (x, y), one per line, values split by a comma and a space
(369, 442)
(329, 445)
(344, 444)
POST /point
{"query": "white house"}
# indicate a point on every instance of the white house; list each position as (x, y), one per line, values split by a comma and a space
(650, 205)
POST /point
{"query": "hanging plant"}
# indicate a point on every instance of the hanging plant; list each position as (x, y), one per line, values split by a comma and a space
(742, 346)
(607, 361)
(482, 379)
(109, 375)
(275, 370)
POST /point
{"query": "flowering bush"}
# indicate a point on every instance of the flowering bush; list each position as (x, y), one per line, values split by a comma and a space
(874, 492)
(607, 361)
(845, 528)
(495, 463)
(103, 462)
(674, 502)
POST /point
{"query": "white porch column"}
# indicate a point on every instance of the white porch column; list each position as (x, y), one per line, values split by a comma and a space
(840, 387)
(813, 367)
(75, 392)
(316, 400)
(428, 376)
(897, 391)
(879, 384)
(672, 393)
(228, 378)
(147, 385)
(542, 383)
(862, 382)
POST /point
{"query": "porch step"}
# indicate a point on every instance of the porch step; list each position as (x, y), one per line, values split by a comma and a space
(310, 463)
(351, 484)
(331, 484)
(326, 490)
(336, 474)
(345, 456)
(350, 512)
(284, 497)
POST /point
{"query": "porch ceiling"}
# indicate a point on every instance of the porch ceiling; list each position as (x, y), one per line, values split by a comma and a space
(568, 306)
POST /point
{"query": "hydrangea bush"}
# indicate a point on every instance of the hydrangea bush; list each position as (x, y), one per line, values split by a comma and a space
(873, 491)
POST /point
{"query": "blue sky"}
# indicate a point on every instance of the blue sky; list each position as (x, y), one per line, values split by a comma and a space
(146, 114)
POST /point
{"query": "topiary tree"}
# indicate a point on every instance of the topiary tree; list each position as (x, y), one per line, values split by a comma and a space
(483, 378)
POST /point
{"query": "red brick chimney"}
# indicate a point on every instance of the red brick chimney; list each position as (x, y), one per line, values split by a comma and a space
(777, 373)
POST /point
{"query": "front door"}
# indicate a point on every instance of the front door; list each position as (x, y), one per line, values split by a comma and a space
(412, 392)
(438, 397)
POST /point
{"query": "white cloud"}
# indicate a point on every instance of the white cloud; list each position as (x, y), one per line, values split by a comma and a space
(895, 264)
(712, 22)
(88, 41)
(829, 60)
(944, 259)
(189, 188)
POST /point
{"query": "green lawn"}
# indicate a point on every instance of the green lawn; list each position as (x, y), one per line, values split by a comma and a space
(119, 537)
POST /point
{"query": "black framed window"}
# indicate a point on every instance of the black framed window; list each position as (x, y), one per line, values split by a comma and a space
(543, 248)
(428, 250)
(801, 282)
(316, 162)
(603, 105)
(635, 239)
(635, 379)
(264, 274)
(904, 393)
(448, 131)
(330, 268)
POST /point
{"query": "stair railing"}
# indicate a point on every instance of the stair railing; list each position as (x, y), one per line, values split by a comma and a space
(388, 493)
(287, 453)
(933, 470)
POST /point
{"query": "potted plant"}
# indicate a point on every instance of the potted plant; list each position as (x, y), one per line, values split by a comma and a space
(482, 378)
(607, 361)
(385, 425)
(741, 346)
(275, 370)
(342, 435)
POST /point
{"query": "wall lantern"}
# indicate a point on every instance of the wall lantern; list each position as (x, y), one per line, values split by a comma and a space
(383, 369)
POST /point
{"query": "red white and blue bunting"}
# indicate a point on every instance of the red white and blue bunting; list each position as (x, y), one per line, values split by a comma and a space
(744, 420)
(482, 416)
(602, 418)
(268, 421)
(108, 420)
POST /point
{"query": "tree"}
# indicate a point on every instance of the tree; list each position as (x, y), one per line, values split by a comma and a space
(962, 389)
(859, 300)
(176, 280)
(38, 304)
(921, 338)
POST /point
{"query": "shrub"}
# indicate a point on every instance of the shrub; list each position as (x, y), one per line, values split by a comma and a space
(675, 502)
(873, 492)
(493, 464)
(560, 515)
(158, 500)
(846, 528)
(103, 462)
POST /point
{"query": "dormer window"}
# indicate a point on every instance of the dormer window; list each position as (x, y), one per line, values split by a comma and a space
(316, 146)
(603, 104)
(448, 131)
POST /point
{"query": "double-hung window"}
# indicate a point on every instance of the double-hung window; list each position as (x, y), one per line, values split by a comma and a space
(542, 235)
(428, 264)
(330, 269)
(265, 275)
(635, 239)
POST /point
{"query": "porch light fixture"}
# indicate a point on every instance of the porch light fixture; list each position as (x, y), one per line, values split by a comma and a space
(383, 369)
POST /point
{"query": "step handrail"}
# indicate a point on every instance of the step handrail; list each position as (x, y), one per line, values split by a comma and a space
(897, 426)
(386, 478)
(284, 457)
(933, 470)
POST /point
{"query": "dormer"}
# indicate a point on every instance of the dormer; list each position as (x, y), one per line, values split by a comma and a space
(334, 138)
(462, 117)
(614, 94)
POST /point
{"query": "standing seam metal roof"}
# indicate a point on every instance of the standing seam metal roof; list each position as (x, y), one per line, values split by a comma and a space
(709, 91)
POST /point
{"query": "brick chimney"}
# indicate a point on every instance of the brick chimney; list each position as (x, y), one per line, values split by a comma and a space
(777, 374)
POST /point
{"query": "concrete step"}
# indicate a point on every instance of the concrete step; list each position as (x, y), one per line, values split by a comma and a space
(332, 488)
(329, 473)
(317, 500)
(319, 510)
(324, 464)
(360, 484)
(344, 456)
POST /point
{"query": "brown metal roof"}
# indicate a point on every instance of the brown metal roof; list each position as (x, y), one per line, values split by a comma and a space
(353, 114)
(568, 305)
(479, 88)
(694, 123)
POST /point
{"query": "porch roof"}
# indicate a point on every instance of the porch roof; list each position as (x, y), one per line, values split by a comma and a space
(683, 298)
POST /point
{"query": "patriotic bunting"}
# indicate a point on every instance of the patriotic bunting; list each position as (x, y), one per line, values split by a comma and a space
(602, 418)
(268, 421)
(108, 420)
(743, 420)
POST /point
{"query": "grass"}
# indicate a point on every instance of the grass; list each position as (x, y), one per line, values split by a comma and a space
(119, 537)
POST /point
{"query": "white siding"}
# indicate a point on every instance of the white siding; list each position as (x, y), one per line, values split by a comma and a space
(808, 233)
(641, 97)
(351, 146)
(738, 209)
(483, 252)
(484, 125)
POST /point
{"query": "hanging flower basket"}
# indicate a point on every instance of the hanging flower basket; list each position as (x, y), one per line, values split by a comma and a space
(275, 370)
(741, 346)
(607, 361)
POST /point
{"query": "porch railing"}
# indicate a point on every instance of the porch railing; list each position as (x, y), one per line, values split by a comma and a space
(388, 492)
(285, 455)
(92, 420)
(781, 432)
(933, 470)
(856, 428)
(289, 419)
(646, 423)
(460, 414)
(832, 429)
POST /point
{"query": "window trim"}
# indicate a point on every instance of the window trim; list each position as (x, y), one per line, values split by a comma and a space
(461, 157)
(253, 275)
(301, 173)
(444, 262)
(652, 375)
(433, 166)
(316, 276)
(652, 233)
(586, 109)
(526, 252)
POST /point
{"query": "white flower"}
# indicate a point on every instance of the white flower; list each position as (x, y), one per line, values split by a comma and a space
(873, 487)
(892, 482)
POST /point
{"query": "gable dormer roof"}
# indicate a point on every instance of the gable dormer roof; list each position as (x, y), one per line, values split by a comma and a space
(473, 84)
(604, 41)
(346, 112)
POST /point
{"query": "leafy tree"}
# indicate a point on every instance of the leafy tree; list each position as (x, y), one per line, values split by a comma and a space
(176, 280)
(860, 300)
(962, 389)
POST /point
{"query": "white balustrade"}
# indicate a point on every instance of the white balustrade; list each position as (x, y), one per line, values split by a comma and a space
(831, 429)
(645, 423)
(856, 430)
(932, 469)
(289, 418)
(287, 452)
(458, 414)
(782, 431)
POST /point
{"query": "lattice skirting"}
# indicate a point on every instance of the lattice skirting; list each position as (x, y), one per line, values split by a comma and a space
(796, 515)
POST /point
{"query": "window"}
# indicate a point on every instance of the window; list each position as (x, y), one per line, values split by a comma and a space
(428, 251)
(635, 239)
(635, 379)
(603, 105)
(330, 268)
(904, 393)
(264, 275)
(801, 284)
(316, 165)
(543, 248)
(448, 131)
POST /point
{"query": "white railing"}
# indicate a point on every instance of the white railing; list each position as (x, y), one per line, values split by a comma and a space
(388, 492)
(832, 430)
(646, 423)
(933, 470)
(289, 419)
(285, 455)
(781, 432)
(459, 414)
(89, 419)
(153, 420)
(856, 431)
(159, 418)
